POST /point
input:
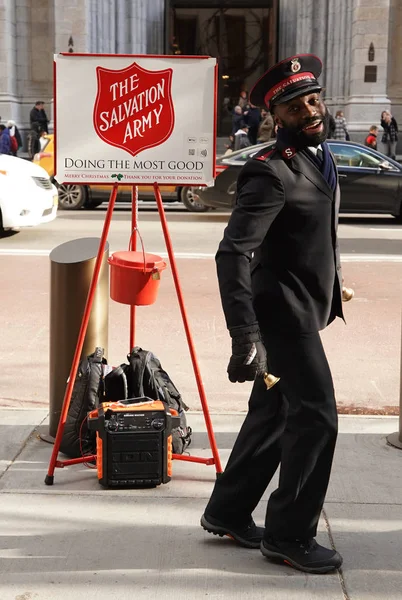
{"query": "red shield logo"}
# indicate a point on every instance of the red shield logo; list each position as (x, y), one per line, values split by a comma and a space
(134, 108)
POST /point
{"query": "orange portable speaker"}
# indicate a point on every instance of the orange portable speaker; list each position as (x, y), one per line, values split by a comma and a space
(134, 442)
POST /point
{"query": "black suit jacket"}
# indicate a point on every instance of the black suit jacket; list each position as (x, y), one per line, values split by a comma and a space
(278, 263)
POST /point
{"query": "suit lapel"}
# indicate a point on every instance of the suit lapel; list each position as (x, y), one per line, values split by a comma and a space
(303, 165)
(337, 195)
(337, 203)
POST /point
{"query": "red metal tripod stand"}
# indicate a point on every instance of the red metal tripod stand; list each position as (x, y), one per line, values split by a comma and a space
(54, 462)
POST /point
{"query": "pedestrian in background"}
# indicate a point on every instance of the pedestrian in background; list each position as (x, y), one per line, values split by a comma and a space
(5, 141)
(243, 100)
(230, 146)
(390, 135)
(33, 140)
(266, 127)
(252, 117)
(241, 139)
(38, 115)
(43, 140)
(371, 139)
(341, 127)
(238, 121)
(14, 133)
(280, 283)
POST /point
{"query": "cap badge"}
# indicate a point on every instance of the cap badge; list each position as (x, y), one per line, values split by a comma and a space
(295, 65)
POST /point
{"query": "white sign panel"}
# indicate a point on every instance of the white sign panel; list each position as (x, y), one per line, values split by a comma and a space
(135, 119)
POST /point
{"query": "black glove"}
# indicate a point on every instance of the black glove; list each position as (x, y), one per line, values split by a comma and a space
(249, 357)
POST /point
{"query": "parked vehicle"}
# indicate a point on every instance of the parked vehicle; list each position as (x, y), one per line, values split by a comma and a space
(370, 182)
(74, 197)
(27, 195)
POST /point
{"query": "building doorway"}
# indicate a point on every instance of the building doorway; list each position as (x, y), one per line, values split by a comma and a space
(241, 34)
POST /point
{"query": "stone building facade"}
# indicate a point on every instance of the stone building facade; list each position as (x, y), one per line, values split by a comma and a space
(32, 31)
(360, 42)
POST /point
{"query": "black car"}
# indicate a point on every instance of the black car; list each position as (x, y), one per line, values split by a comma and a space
(370, 182)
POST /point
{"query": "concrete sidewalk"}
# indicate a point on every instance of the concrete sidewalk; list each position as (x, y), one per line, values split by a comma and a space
(77, 540)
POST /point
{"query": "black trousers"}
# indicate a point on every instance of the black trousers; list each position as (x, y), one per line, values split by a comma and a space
(293, 424)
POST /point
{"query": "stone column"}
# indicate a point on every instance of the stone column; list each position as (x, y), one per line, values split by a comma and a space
(288, 19)
(303, 25)
(319, 33)
(112, 27)
(105, 17)
(8, 62)
(340, 33)
(122, 27)
(30, 50)
(91, 26)
(395, 62)
(138, 27)
(72, 19)
(155, 27)
(370, 24)
(337, 63)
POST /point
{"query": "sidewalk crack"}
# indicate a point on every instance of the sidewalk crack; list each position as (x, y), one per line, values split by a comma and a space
(340, 571)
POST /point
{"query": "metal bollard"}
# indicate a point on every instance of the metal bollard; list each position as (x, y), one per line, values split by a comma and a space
(395, 439)
(72, 265)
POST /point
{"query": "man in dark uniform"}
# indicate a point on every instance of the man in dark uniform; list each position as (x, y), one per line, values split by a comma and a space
(280, 283)
(38, 115)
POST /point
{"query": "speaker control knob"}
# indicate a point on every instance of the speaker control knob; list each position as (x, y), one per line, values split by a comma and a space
(158, 424)
(113, 424)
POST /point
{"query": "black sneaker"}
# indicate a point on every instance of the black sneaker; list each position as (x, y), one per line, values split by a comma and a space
(304, 555)
(249, 536)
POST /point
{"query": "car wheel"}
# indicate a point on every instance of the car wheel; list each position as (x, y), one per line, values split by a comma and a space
(71, 197)
(191, 200)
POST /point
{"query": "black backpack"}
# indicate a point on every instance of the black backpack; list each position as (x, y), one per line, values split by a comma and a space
(144, 376)
(87, 394)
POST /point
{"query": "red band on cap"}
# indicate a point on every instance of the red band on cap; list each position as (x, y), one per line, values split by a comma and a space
(285, 83)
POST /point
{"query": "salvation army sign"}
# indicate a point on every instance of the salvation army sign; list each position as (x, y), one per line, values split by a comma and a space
(140, 119)
(134, 107)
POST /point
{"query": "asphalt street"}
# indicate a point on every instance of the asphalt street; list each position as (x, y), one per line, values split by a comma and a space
(366, 235)
(364, 355)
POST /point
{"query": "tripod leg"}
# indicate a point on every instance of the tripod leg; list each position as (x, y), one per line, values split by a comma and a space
(133, 246)
(190, 342)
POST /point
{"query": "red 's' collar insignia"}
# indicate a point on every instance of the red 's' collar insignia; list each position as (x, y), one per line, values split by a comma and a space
(288, 152)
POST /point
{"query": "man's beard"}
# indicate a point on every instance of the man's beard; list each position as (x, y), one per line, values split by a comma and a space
(302, 139)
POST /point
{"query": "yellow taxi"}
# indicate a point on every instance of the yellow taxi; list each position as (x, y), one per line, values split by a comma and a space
(73, 196)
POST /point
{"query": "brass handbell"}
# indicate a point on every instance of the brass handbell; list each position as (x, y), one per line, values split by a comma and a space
(270, 380)
(347, 294)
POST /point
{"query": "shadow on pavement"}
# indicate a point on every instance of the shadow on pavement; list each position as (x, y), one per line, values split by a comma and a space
(8, 233)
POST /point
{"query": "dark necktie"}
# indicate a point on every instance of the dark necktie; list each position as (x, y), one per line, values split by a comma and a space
(320, 155)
